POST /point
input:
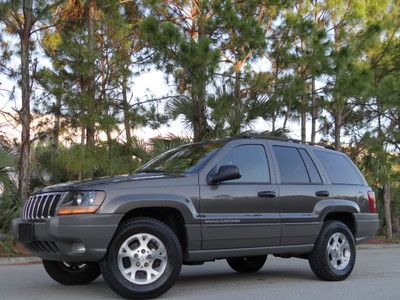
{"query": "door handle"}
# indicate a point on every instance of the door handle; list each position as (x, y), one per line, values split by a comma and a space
(322, 194)
(267, 194)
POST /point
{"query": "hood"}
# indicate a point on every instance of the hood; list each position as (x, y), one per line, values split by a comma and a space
(92, 184)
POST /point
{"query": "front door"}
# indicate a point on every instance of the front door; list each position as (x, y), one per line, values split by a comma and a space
(241, 213)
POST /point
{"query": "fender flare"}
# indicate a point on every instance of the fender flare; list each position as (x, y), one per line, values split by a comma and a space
(325, 207)
(126, 203)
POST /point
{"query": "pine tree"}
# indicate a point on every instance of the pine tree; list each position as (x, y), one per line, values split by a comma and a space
(182, 34)
(23, 18)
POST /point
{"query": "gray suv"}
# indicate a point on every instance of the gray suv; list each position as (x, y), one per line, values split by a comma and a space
(238, 199)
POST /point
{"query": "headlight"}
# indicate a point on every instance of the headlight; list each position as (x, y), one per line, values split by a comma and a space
(81, 202)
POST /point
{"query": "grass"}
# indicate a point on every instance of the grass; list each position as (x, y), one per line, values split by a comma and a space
(10, 248)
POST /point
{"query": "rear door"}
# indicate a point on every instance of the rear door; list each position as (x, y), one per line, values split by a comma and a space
(241, 213)
(300, 187)
(345, 181)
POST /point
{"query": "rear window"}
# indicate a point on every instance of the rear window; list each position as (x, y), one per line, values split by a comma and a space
(339, 168)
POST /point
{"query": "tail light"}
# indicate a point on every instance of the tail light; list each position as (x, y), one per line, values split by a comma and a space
(371, 202)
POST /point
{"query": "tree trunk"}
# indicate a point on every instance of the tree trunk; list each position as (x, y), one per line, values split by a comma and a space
(109, 137)
(25, 113)
(125, 105)
(338, 127)
(337, 100)
(273, 123)
(303, 104)
(395, 223)
(313, 110)
(314, 107)
(198, 91)
(83, 134)
(303, 123)
(236, 122)
(91, 88)
(200, 120)
(387, 207)
(57, 121)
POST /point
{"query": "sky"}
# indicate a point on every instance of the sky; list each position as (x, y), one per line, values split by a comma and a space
(150, 84)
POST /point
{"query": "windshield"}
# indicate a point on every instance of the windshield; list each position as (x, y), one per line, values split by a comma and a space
(184, 159)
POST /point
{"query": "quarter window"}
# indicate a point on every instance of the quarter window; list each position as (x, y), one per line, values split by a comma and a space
(339, 168)
(251, 161)
(311, 168)
(291, 166)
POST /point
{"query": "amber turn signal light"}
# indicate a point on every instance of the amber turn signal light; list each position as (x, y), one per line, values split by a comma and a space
(72, 210)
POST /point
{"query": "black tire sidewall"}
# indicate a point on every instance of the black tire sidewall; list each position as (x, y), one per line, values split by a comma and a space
(60, 274)
(338, 227)
(253, 264)
(124, 287)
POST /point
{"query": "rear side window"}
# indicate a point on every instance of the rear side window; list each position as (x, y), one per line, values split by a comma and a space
(311, 168)
(339, 169)
(291, 166)
(251, 161)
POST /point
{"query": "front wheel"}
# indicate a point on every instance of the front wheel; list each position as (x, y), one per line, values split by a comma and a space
(69, 273)
(249, 264)
(143, 260)
(334, 254)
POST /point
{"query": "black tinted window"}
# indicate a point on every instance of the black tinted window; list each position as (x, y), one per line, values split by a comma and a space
(251, 161)
(311, 168)
(291, 165)
(338, 167)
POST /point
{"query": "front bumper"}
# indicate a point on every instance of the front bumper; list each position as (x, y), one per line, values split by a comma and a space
(57, 238)
(367, 225)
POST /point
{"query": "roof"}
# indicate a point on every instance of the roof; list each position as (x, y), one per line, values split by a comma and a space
(282, 139)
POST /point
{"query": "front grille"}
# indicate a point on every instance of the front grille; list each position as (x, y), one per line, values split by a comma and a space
(42, 246)
(42, 206)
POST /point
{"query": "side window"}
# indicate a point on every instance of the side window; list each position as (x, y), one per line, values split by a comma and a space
(311, 168)
(251, 161)
(291, 165)
(338, 167)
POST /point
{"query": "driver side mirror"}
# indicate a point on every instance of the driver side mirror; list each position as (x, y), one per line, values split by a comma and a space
(224, 173)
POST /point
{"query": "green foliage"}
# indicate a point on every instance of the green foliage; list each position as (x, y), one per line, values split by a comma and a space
(9, 197)
(63, 164)
(146, 151)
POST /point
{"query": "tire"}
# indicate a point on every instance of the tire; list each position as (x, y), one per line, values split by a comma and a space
(162, 253)
(72, 273)
(247, 264)
(332, 259)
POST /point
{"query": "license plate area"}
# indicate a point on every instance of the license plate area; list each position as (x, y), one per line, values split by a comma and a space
(26, 232)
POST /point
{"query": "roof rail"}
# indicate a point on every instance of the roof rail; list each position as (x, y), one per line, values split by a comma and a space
(277, 138)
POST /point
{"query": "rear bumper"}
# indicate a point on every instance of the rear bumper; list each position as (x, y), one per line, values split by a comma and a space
(58, 238)
(367, 225)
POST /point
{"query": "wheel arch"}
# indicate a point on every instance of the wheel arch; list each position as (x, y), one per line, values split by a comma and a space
(171, 216)
(345, 217)
(339, 210)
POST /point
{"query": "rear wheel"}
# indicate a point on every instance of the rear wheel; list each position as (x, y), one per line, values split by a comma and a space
(334, 254)
(69, 273)
(247, 264)
(143, 260)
